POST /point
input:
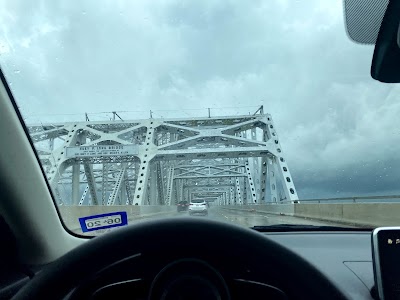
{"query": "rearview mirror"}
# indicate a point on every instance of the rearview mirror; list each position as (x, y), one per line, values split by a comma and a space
(386, 60)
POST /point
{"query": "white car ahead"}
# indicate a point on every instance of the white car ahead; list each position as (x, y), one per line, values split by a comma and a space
(198, 207)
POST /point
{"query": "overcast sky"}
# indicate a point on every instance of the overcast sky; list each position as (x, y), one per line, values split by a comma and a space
(339, 129)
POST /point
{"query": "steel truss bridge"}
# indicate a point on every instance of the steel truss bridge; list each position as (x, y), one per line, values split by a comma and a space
(227, 160)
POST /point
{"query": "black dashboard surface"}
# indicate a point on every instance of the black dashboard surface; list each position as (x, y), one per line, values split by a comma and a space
(344, 257)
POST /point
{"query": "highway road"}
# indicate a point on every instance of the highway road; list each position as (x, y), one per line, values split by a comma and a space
(243, 218)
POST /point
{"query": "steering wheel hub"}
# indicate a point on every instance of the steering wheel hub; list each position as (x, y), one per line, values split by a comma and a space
(189, 279)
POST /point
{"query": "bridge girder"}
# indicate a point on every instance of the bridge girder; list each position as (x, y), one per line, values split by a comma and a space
(158, 161)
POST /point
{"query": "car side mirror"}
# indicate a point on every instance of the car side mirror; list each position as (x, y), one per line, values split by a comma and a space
(386, 59)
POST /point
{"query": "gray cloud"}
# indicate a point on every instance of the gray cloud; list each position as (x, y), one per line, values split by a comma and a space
(339, 129)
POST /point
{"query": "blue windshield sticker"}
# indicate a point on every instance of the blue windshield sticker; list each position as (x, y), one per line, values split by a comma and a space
(103, 221)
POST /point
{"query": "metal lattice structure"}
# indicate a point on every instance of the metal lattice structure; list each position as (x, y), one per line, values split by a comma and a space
(227, 160)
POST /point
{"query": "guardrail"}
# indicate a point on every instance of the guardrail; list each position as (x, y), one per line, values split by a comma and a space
(356, 199)
(368, 211)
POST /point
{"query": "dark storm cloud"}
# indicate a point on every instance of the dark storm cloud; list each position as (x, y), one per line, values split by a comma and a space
(363, 177)
(339, 129)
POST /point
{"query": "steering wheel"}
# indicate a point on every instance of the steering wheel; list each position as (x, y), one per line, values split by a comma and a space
(198, 256)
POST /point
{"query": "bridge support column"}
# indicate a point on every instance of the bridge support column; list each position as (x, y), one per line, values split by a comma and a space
(75, 183)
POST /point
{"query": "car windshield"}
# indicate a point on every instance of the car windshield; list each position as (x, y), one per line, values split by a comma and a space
(266, 110)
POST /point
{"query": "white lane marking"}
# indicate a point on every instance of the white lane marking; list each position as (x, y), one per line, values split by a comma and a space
(226, 217)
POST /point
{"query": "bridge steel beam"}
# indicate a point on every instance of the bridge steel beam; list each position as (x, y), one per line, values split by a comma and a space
(156, 161)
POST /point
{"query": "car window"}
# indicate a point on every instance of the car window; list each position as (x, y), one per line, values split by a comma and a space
(261, 106)
(197, 201)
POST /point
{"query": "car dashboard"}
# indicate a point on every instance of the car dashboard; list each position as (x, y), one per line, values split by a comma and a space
(343, 257)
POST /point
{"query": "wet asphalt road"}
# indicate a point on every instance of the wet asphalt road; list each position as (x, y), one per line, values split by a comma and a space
(242, 218)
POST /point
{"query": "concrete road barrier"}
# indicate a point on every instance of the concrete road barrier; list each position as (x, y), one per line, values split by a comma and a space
(359, 214)
(362, 214)
(286, 209)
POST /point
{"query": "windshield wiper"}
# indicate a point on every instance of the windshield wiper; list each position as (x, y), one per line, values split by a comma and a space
(300, 227)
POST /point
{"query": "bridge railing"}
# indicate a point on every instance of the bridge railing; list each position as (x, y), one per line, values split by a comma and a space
(353, 199)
